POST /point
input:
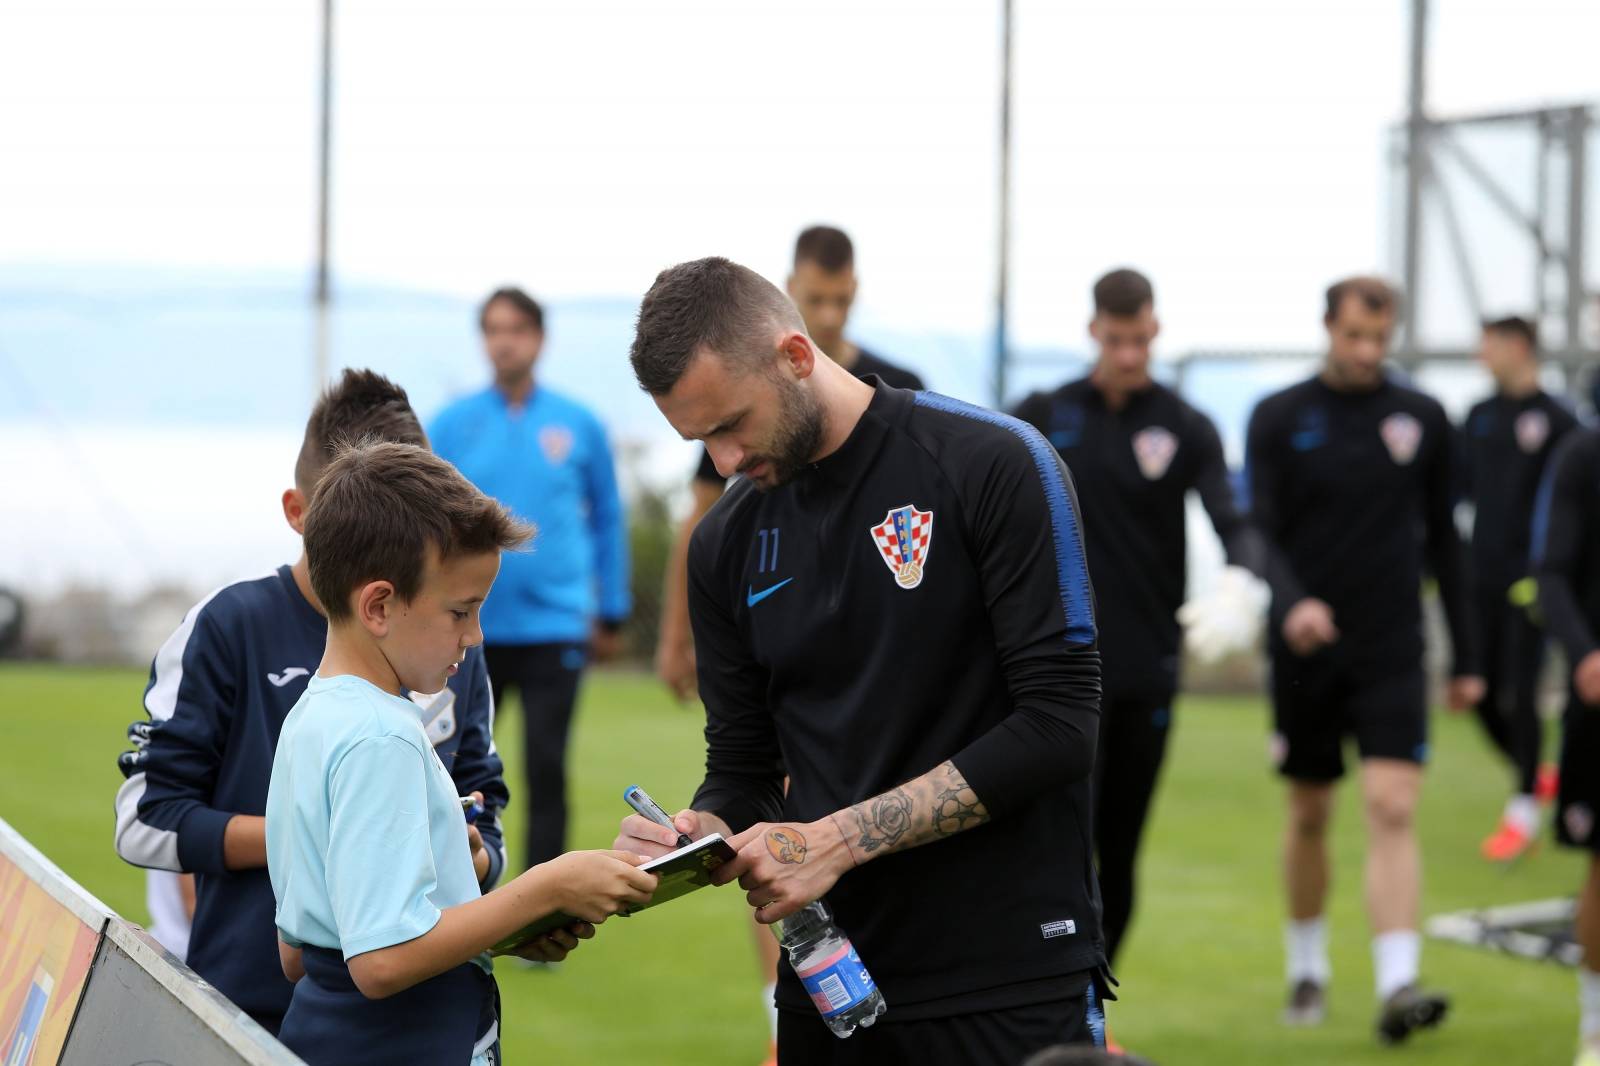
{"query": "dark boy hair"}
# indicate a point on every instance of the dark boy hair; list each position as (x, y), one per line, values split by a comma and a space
(826, 246)
(1123, 293)
(1374, 293)
(1515, 326)
(516, 298)
(378, 508)
(711, 302)
(361, 405)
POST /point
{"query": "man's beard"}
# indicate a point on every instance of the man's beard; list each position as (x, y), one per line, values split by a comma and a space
(797, 438)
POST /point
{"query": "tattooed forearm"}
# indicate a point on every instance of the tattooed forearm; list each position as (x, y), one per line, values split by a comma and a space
(936, 805)
(883, 821)
(956, 807)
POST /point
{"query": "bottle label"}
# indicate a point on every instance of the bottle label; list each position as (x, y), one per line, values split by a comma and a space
(838, 982)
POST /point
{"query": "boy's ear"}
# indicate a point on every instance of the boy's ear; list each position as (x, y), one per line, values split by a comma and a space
(374, 601)
(294, 510)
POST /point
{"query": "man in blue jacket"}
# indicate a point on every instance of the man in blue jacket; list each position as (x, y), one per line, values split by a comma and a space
(546, 458)
(195, 794)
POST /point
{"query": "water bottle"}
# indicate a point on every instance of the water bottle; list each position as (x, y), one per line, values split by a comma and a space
(829, 968)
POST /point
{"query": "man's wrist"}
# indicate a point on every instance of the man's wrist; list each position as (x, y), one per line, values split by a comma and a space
(711, 822)
(831, 843)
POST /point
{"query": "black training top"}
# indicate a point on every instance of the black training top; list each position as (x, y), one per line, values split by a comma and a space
(1566, 544)
(1508, 443)
(1134, 468)
(1352, 491)
(917, 596)
(866, 364)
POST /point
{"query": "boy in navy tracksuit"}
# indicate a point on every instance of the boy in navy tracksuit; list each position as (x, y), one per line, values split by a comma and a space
(219, 690)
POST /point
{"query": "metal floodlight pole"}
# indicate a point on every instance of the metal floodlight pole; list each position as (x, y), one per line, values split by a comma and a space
(1003, 240)
(1577, 138)
(1541, 222)
(322, 293)
(1416, 165)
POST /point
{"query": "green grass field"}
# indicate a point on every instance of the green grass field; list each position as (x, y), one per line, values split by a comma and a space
(1201, 980)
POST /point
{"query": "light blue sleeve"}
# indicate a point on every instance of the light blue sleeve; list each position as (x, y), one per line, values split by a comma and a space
(608, 527)
(380, 859)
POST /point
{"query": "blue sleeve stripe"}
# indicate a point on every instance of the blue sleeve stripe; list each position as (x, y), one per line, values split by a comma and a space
(1072, 572)
(1541, 515)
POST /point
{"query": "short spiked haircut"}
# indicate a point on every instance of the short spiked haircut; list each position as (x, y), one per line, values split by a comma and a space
(826, 246)
(708, 303)
(1123, 293)
(361, 405)
(378, 508)
(1515, 326)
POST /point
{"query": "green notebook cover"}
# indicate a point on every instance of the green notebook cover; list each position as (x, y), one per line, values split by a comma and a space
(681, 872)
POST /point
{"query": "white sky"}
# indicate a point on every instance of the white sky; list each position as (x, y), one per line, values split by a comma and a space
(1231, 148)
(1234, 150)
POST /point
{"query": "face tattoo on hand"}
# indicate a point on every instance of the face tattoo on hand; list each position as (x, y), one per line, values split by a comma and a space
(787, 845)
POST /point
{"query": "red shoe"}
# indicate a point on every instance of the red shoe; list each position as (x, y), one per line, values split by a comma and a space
(1506, 844)
(772, 1055)
(1548, 783)
(1112, 1047)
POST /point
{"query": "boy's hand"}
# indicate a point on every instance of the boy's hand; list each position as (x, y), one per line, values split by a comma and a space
(558, 944)
(594, 885)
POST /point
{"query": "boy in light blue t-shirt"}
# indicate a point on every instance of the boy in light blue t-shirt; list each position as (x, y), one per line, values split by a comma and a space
(381, 922)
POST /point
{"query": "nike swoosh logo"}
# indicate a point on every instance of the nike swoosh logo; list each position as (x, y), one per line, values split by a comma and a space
(752, 597)
(280, 680)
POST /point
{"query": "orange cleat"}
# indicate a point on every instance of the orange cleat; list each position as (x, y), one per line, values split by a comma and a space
(1507, 844)
(1548, 782)
(772, 1055)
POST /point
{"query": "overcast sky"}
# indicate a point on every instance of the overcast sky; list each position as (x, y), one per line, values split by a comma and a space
(1232, 149)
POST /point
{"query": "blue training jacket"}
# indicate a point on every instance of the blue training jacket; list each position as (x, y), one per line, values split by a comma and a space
(549, 462)
(219, 690)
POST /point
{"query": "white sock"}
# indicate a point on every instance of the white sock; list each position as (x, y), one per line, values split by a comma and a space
(1523, 812)
(767, 994)
(1396, 958)
(1306, 944)
(1588, 1005)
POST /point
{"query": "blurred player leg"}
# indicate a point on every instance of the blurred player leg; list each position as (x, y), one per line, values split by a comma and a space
(1306, 876)
(1576, 827)
(1390, 790)
(1509, 713)
(1309, 754)
(549, 692)
(1133, 742)
(1589, 969)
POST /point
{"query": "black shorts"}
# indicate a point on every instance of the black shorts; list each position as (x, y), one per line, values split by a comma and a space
(1007, 1035)
(1317, 703)
(1579, 798)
